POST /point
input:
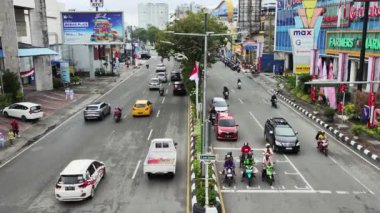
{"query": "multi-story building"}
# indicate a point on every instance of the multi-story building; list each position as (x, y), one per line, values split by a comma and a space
(27, 53)
(268, 22)
(153, 14)
(337, 25)
(182, 10)
(249, 16)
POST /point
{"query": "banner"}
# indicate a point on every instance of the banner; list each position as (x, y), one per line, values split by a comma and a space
(302, 41)
(92, 27)
(65, 71)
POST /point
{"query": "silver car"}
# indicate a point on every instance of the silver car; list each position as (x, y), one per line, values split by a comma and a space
(162, 77)
(220, 104)
(97, 110)
(154, 83)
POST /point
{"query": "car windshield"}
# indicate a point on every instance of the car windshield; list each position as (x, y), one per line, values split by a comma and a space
(71, 179)
(227, 123)
(220, 104)
(35, 108)
(140, 105)
(284, 131)
(161, 74)
(91, 108)
(154, 81)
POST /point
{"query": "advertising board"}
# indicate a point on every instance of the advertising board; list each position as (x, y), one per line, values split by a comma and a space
(302, 41)
(92, 27)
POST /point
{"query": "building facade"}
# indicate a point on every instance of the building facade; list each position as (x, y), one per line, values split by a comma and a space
(154, 14)
(249, 16)
(182, 10)
(337, 26)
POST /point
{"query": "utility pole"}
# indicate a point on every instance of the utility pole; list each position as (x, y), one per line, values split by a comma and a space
(250, 60)
(359, 75)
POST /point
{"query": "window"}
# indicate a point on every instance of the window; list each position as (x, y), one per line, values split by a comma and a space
(284, 131)
(227, 123)
(165, 145)
(97, 164)
(91, 108)
(158, 145)
(71, 179)
(91, 169)
(140, 105)
(35, 108)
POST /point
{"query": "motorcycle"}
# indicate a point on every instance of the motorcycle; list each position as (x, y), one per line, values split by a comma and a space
(212, 118)
(147, 66)
(229, 177)
(117, 116)
(161, 91)
(249, 173)
(239, 85)
(226, 94)
(243, 156)
(322, 147)
(268, 176)
(274, 103)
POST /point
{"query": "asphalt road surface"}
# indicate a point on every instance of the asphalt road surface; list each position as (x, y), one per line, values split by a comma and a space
(27, 183)
(304, 182)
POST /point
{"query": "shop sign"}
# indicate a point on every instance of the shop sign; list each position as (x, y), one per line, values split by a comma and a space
(350, 42)
(302, 69)
(358, 12)
(302, 41)
(330, 16)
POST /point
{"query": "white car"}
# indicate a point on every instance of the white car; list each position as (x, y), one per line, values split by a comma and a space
(154, 83)
(162, 77)
(79, 180)
(160, 67)
(24, 111)
(220, 104)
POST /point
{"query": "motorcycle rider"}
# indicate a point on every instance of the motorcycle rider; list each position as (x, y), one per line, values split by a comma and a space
(239, 83)
(147, 65)
(225, 90)
(245, 149)
(267, 160)
(273, 98)
(249, 161)
(117, 111)
(212, 112)
(268, 150)
(321, 135)
(229, 163)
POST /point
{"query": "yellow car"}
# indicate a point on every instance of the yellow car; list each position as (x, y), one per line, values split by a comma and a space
(142, 108)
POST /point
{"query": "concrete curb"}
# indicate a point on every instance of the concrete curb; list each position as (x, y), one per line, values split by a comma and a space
(335, 132)
(196, 208)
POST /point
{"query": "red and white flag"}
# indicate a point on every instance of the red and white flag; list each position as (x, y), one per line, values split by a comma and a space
(194, 76)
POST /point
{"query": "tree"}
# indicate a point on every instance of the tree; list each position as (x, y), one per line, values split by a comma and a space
(141, 34)
(11, 84)
(152, 34)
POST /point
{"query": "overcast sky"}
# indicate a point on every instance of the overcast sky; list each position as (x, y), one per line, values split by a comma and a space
(129, 7)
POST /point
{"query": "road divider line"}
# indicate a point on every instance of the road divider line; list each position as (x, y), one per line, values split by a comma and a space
(324, 191)
(291, 173)
(269, 191)
(295, 168)
(342, 192)
(302, 188)
(135, 172)
(150, 134)
(257, 121)
(357, 180)
(163, 100)
(167, 91)
(158, 113)
(241, 101)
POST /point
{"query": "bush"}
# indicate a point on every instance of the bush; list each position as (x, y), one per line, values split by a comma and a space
(5, 100)
(11, 84)
(329, 112)
(301, 84)
(75, 80)
(358, 129)
(347, 97)
(351, 111)
(57, 83)
(290, 82)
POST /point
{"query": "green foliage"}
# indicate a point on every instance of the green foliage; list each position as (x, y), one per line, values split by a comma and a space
(306, 88)
(358, 129)
(5, 100)
(192, 46)
(351, 111)
(329, 112)
(152, 34)
(11, 83)
(347, 97)
(141, 34)
(57, 83)
(290, 82)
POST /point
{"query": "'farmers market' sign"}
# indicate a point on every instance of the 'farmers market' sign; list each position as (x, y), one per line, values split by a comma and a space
(350, 42)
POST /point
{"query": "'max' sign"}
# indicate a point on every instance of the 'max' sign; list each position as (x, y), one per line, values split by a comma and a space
(302, 32)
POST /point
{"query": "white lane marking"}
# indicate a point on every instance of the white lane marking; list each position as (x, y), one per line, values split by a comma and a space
(125, 116)
(241, 101)
(158, 113)
(357, 180)
(305, 188)
(281, 161)
(169, 83)
(358, 192)
(257, 121)
(253, 188)
(295, 168)
(135, 172)
(324, 191)
(150, 134)
(167, 91)
(268, 191)
(163, 100)
(342, 192)
(291, 173)
(63, 123)
(331, 136)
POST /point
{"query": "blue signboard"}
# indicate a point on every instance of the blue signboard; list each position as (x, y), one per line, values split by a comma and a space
(92, 27)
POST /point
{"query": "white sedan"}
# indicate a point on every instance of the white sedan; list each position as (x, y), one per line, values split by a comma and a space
(24, 111)
(79, 180)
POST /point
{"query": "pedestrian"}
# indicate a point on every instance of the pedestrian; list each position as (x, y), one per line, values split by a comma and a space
(67, 93)
(15, 128)
(10, 137)
(71, 94)
(2, 139)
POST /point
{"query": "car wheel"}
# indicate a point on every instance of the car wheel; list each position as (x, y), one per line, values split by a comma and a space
(265, 136)
(6, 114)
(92, 192)
(23, 118)
(150, 175)
(274, 148)
(104, 173)
(102, 116)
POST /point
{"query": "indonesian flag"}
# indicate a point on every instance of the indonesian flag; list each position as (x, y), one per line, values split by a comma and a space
(194, 76)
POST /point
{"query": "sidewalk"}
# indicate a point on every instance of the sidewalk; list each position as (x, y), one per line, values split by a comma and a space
(57, 109)
(341, 130)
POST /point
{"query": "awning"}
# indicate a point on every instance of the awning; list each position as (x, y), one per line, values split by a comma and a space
(35, 52)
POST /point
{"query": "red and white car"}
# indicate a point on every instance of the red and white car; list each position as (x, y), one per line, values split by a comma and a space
(225, 127)
(79, 180)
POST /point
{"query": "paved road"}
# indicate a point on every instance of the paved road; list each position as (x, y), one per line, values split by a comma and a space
(27, 183)
(305, 182)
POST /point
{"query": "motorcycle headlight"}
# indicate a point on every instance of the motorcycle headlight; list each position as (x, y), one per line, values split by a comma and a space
(278, 143)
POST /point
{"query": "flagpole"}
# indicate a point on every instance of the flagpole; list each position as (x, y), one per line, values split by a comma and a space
(196, 98)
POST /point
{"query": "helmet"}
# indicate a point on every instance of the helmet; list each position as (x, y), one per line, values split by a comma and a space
(228, 156)
(245, 144)
(267, 145)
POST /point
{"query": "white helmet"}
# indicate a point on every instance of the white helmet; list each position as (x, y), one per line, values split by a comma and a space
(267, 145)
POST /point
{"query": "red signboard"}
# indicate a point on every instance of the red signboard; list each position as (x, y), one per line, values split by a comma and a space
(358, 12)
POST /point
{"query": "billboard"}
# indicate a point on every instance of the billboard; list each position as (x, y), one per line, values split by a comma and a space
(92, 27)
(302, 41)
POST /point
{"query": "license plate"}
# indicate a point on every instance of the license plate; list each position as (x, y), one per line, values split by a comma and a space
(140, 113)
(229, 175)
(289, 148)
(69, 188)
(228, 136)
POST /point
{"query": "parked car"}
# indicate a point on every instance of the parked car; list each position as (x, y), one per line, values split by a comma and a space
(24, 111)
(142, 108)
(179, 88)
(175, 76)
(160, 68)
(145, 56)
(281, 135)
(162, 77)
(161, 157)
(79, 180)
(97, 110)
(225, 127)
(154, 83)
(220, 104)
